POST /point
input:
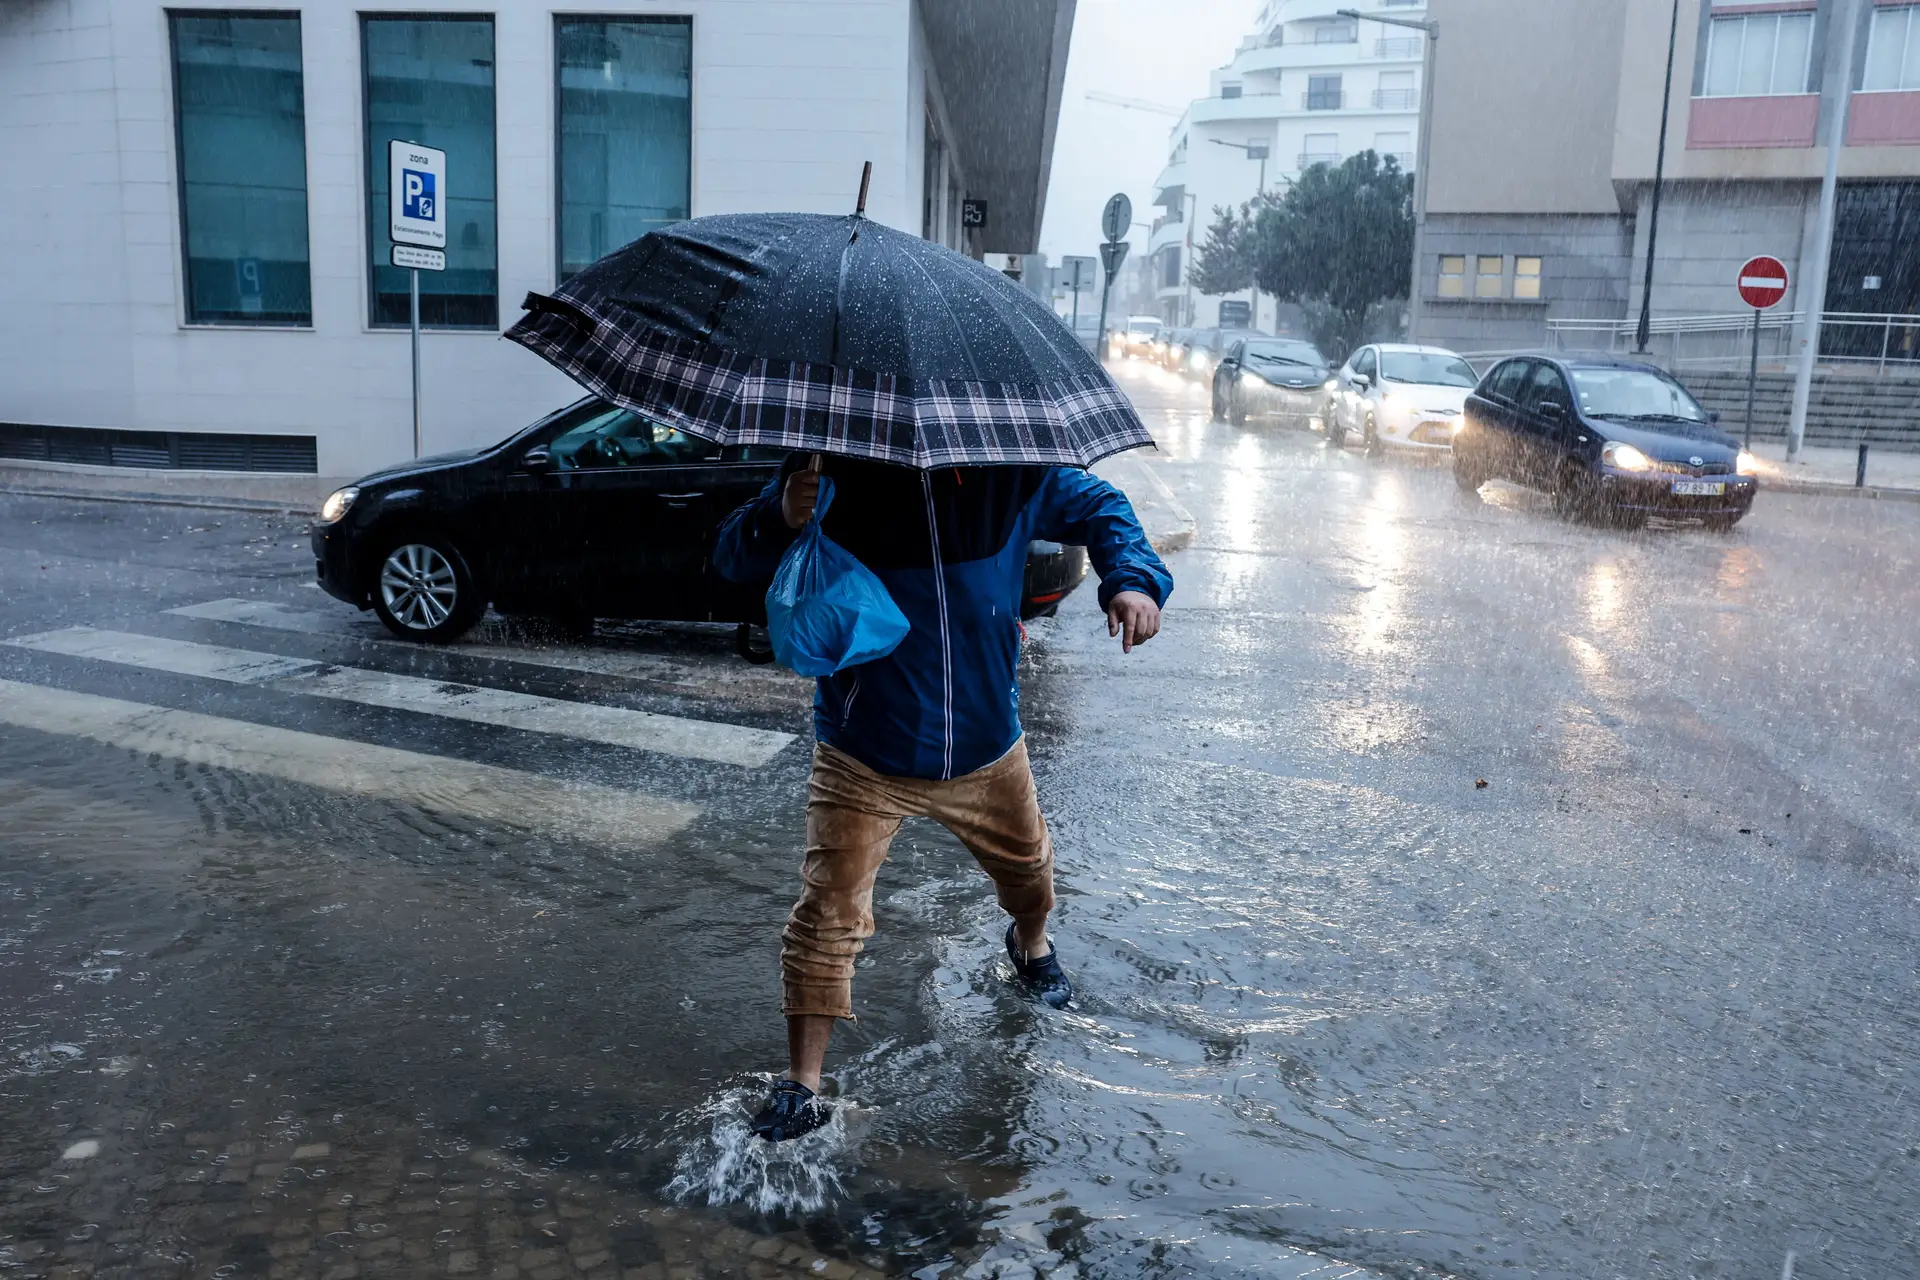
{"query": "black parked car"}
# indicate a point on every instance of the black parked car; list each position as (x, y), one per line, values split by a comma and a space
(593, 512)
(1272, 377)
(1603, 436)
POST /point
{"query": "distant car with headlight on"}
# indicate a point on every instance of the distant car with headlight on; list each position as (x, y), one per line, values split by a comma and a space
(1605, 437)
(1391, 393)
(1140, 333)
(1281, 378)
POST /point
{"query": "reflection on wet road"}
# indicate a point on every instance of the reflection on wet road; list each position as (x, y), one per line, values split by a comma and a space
(1643, 1005)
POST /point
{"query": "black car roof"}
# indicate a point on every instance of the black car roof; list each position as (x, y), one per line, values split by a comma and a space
(1588, 360)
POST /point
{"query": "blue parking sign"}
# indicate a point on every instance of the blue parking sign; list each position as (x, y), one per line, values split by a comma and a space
(417, 180)
(417, 193)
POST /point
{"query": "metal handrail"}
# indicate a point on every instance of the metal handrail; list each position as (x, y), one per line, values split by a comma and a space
(1310, 158)
(1699, 341)
(1323, 99)
(1395, 99)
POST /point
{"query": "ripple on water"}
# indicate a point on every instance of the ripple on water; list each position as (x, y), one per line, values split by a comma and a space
(721, 1162)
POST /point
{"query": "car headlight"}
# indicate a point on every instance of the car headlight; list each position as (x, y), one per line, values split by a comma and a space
(338, 503)
(1331, 384)
(1624, 457)
(1748, 465)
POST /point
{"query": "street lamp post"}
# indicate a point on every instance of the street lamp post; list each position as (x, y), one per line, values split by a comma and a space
(1186, 263)
(1431, 29)
(1255, 151)
(1644, 329)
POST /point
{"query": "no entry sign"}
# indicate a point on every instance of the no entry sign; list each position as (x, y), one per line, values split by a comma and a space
(1763, 281)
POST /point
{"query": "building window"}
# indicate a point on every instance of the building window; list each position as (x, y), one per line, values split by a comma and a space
(625, 131)
(930, 161)
(1323, 93)
(1893, 50)
(1758, 54)
(1396, 92)
(430, 80)
(1397, 147)
(1526, 277)
(1489, 274)
(1170, 267)
(1230, 90)
(1453, 275)
(1319, 148)
(1336, 33)
(240, 113)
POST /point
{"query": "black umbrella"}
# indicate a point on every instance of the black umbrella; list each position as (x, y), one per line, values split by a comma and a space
(834, 335)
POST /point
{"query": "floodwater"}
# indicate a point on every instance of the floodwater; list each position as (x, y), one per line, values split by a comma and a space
(1644, 1005)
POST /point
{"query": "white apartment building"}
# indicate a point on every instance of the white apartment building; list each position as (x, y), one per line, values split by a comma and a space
(1307, 87)
(193, 241)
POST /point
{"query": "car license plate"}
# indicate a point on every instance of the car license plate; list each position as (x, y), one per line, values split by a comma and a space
(1700, 488)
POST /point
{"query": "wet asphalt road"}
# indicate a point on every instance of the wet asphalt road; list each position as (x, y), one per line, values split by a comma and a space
(1644, 1005)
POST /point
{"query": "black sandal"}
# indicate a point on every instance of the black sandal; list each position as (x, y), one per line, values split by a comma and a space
(1044, 977)
(791, 1112)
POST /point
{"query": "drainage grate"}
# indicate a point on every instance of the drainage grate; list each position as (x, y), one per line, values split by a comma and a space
(164, 450)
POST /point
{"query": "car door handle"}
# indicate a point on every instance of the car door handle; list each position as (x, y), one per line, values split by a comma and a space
(680, 499)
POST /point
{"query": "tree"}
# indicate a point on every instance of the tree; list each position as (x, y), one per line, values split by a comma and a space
(1222, 262)
(1338, 242)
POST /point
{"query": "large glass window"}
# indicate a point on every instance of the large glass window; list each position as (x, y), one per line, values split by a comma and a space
(240, 111)
(430, 80)
(626, 131)
(1758, 54)
(1893, 50)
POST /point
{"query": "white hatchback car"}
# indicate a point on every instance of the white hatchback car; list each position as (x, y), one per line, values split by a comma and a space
(1391, 393)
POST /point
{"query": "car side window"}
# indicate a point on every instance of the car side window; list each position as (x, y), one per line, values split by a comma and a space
(1505, 382)
(1237, 352)
(754, 453)
(1364, 363)
(1544, 386)
(621, 438)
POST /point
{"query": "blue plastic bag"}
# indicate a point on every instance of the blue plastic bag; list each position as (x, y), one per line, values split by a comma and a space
(825, 610)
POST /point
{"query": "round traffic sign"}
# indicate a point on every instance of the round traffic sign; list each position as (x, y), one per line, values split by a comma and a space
(1117, 218)
(1762, 281)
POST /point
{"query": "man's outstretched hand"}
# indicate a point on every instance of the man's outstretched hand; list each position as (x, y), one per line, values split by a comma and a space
(1134, 617)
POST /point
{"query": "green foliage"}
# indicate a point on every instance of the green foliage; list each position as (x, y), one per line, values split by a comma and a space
(1223, 262)
(1338, 242)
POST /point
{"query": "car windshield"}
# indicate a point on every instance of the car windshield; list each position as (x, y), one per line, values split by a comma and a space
(1434, 368)
(1142, 327)
(1285, 353)
(1630, 394)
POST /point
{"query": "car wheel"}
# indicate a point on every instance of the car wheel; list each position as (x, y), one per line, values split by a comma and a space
(1721, 524)
(1336, 433)
(1219, 410)
(1468, 472)
(1372, 438)
(424, 590)
(1573, 495)
(1236, 408)
(754, 644)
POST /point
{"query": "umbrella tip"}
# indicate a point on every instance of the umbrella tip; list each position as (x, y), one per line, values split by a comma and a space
(866, 176)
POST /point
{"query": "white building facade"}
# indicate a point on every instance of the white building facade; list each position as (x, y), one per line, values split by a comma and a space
(1309, 86)
(193, 239)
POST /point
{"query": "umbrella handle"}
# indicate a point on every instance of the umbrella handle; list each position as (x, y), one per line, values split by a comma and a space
(817, 464)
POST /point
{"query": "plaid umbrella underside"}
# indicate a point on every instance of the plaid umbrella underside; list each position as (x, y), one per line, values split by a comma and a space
(749, 400)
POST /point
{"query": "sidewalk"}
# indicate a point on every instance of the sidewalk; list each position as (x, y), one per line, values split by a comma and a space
(1830, 470)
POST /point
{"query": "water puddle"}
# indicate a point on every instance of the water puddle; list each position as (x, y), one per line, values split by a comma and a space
(722, 1162)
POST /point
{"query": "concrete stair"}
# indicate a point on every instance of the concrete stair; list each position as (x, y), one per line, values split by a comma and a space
(1844, 409)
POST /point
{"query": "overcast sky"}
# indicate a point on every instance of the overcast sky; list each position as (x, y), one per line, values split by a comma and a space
(1157, 50)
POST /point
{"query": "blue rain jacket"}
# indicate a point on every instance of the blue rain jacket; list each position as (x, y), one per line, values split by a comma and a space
(951, 547)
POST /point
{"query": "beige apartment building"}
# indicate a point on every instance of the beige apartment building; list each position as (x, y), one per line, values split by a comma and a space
(1546, 119)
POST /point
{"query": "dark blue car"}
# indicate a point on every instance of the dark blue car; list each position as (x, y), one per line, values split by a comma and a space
(1608, 438)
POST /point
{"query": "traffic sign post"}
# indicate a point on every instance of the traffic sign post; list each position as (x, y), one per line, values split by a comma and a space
(1762, 283)
(417, 225)
(1115, 221)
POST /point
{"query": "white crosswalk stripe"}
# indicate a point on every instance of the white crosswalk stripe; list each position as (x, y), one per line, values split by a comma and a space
(618, 726)
(343, 623)
(604, 815)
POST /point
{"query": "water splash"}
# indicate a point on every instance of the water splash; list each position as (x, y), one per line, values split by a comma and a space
(722, 1162)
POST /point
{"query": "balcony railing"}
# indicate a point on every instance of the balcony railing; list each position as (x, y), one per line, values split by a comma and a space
(1397, 47)
(1166, 220)
(1402, 158)
(1310, 158)
(1396, 99)
(1323, 99)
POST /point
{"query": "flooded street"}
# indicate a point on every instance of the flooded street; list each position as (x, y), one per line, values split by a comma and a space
(1450, 890)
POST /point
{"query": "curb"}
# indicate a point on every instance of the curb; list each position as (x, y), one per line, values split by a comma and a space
(252, 506)
(1880, 492)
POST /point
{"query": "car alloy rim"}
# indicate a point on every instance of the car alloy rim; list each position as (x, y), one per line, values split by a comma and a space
(418, 586)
